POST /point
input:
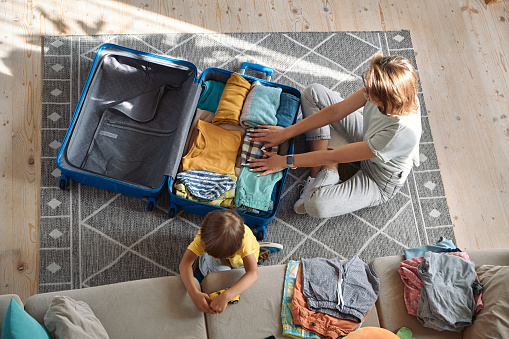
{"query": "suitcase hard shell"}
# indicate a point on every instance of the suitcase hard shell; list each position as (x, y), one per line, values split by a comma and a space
(131, 124)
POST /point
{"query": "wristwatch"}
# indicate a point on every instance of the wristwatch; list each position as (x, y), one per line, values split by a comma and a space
(289, 160)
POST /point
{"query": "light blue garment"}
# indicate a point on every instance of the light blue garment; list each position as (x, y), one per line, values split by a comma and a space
(289, 328)
(260, 106)
(210, 95)
(443, 245)
(254, 191)
(206, 185)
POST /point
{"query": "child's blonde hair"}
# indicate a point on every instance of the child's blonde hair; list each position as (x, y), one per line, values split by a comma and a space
(222, 232)
(392, 82)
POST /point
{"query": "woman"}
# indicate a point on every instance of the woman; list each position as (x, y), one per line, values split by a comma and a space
(385, 139)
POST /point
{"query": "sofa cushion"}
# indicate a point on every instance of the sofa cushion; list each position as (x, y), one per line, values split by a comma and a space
(68, 318)
(5, 300)
(258, 312)
(18, 324)
(492, 320)
(135, 309)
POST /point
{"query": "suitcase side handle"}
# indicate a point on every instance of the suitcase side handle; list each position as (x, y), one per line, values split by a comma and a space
(257, 67)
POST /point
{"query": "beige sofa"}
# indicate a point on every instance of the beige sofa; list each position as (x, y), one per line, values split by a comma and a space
(161, 308)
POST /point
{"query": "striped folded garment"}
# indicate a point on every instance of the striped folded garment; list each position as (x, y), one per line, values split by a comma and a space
(206, 185)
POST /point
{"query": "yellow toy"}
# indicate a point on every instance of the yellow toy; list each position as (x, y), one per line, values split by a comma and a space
(214, 295)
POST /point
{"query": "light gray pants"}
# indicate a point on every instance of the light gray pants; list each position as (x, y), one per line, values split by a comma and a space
(370, 186)
(209, 264)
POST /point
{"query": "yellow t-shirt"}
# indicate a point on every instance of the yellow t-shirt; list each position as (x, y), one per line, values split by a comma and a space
(249, 246)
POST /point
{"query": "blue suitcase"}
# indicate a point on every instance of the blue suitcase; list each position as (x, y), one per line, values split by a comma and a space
(131, 124)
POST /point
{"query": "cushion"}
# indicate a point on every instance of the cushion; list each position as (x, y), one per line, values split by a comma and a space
(18, 324)
(5, 300)
(371, 333)
(492, 320)
(68, 318)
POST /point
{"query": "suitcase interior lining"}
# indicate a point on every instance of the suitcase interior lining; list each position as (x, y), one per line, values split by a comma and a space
(107, 141)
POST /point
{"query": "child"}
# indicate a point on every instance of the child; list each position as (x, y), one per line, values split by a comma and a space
(222, 243)
(385, 139)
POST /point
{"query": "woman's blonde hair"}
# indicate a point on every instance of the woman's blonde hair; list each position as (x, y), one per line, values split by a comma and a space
(222, 232)
(392, 82)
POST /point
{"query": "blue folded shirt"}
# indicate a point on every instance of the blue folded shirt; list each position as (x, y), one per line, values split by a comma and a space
(288, 107)
(442, 245)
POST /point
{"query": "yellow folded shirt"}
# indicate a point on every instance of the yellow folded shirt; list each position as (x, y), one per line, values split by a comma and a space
(214, 149)
(231, 102)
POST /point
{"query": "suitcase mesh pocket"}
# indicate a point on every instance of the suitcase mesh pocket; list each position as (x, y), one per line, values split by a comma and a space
(127, 150)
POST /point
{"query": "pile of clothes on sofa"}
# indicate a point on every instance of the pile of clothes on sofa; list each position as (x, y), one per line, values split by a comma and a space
(325, 299)
(214, 169)
(441, 287)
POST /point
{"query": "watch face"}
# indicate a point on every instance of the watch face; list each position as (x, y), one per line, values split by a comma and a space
(289, 160)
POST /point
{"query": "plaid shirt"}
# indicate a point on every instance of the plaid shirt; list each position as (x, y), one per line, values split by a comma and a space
(252, 149)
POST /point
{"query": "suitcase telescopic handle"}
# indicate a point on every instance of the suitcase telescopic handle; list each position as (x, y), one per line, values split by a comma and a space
(264, 69)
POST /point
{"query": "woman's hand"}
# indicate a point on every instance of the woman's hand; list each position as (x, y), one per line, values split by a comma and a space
(202, 301)
(273, 135)
(272, 164)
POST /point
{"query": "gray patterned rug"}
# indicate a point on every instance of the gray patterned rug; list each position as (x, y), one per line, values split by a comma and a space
(91, 236)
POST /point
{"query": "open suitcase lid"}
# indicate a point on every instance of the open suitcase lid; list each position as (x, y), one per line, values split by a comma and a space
(133, 117)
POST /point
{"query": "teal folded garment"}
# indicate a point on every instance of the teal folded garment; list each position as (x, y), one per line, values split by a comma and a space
(260, 106)
(254, 191)
(211, 92)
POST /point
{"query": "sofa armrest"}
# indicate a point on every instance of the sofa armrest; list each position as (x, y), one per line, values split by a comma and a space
(498, 257)
(135, 309)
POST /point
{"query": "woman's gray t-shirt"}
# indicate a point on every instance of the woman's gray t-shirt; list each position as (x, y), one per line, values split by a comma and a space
(393, 139)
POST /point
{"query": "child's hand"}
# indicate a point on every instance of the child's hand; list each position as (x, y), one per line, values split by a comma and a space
(218, 305)
(202, 302)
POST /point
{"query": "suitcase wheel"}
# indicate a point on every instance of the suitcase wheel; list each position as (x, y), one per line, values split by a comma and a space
(260, 234)
(62, 183)
(172, 212)
(151, 204)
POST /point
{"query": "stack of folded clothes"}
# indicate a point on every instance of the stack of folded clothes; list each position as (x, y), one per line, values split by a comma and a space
(218, 149)
(324, 299)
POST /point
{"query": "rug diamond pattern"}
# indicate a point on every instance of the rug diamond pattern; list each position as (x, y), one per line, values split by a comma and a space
(90, 236)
